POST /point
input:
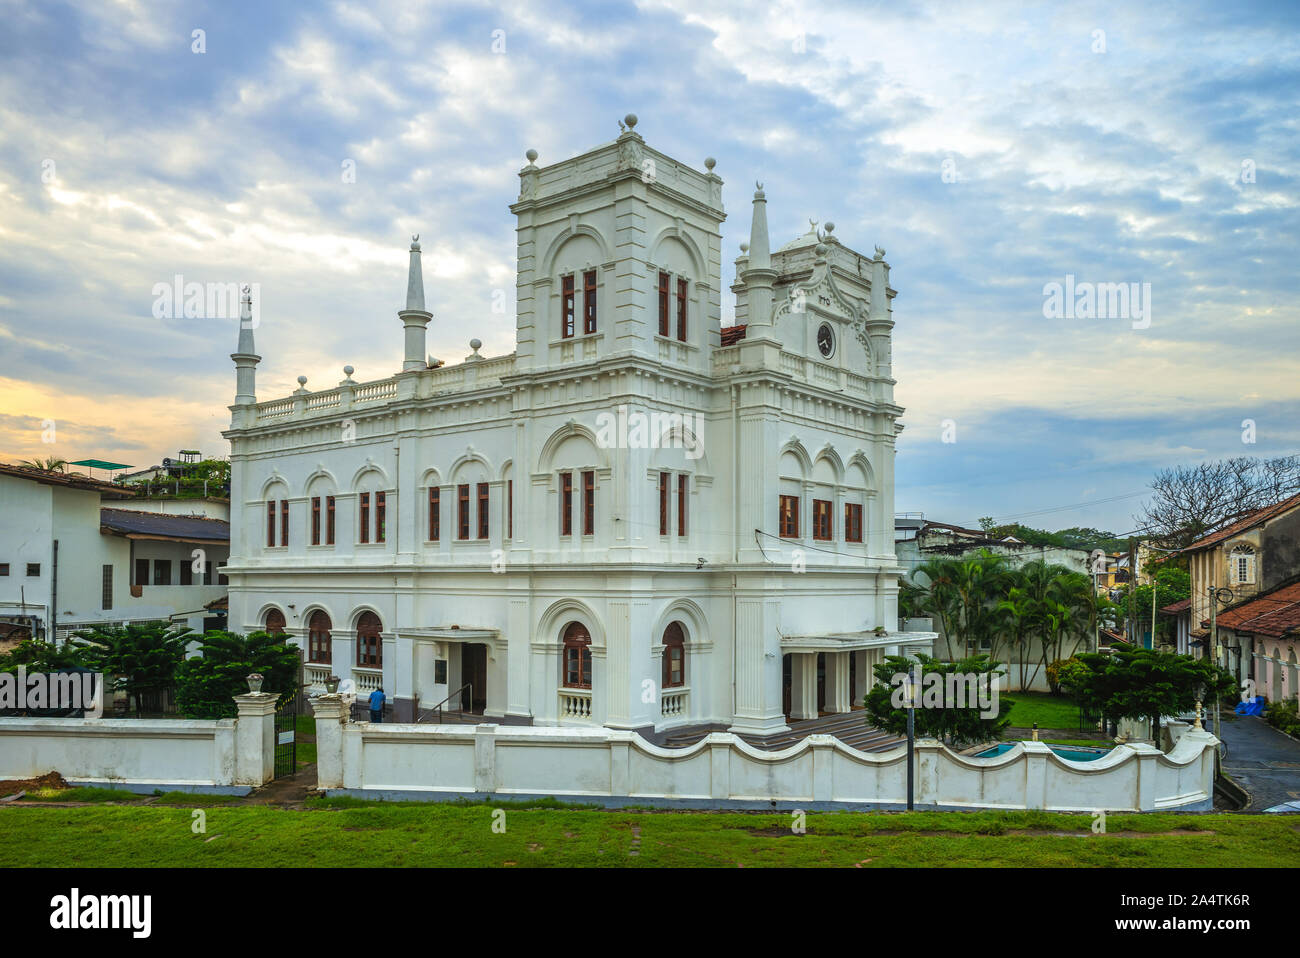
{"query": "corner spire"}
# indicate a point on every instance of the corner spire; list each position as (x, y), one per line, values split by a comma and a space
(245, 354)
(415, 318)
(758, 275)
(415, 278)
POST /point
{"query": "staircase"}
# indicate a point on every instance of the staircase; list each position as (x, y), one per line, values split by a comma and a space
(850, 728)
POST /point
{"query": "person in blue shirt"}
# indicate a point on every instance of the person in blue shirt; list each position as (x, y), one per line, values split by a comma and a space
(377, 705)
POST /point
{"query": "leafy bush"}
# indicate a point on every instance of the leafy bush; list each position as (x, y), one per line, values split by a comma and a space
(1054, 673)
(1283, 715)
(145, 656)
(206, 685)
(937, 717)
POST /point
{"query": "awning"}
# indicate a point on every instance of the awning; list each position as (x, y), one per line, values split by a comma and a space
(854, 641)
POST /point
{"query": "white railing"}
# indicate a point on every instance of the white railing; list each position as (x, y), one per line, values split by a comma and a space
(858, 384)
(673, 702)
(367, 680)
(325, 400)
(274, 409)
(371, 392)
(316, 674)
(575, 704)
(794, 365)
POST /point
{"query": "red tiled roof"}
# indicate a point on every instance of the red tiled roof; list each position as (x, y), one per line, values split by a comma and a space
(733, 334)
(1241, 525)
(1274, 613)
(1177, 607)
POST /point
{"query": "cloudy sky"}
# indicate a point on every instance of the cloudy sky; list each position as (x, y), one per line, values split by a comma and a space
(990, 148)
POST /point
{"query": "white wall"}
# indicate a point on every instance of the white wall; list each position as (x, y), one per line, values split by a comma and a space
(139, 752)
(618, 767)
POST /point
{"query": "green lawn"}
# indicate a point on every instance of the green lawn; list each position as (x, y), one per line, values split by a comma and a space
(384, 835)
(1049, 711)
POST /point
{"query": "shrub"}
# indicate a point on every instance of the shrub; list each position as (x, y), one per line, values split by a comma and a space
(206, 685)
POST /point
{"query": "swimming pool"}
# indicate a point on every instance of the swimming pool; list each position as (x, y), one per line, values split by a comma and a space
(1065, 751)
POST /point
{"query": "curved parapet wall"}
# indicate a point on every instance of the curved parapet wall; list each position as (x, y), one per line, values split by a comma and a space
(616, 767)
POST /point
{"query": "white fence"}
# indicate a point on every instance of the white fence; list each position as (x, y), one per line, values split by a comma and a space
(616, 767)
(218, 755)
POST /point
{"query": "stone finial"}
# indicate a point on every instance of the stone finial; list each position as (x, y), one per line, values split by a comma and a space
(710, 163)
(1198, 724)
(532, 156)
(348, 371)
(744, 247)
(630, 120)
(476, 344)
(829, 227)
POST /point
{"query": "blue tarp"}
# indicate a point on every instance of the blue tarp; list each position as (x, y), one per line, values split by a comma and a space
(1253, 706)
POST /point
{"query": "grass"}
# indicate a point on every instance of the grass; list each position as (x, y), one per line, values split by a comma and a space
(1042, 708)
(84, 793)
(337, 833)
(194, 798)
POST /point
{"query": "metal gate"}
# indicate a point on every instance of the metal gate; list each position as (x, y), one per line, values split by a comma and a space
(286, 744)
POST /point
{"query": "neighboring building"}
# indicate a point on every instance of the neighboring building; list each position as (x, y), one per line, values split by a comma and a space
(68, 562)
(521, 524)
(1258, 639)
(1246, 558)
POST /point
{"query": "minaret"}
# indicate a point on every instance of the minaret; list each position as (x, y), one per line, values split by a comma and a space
(759, 276)
(414, 317)
(245, 355)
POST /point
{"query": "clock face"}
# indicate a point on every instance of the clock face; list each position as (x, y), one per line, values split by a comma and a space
(825, 340)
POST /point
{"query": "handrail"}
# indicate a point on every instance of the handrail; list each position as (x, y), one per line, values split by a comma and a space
(438, 708)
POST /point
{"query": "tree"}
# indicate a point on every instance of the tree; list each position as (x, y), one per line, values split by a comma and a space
(36, 655)
(1171, 585)
(46, 465)
(207, 685)
(938, 594)
(145, 656)
(1189, 501)
(939, 714)
(1136, 683)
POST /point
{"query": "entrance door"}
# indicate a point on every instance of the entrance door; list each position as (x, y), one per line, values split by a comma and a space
(787, 684)
(473, 671)
(821, 682)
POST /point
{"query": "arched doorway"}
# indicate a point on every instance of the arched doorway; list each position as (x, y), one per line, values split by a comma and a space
(275, 622)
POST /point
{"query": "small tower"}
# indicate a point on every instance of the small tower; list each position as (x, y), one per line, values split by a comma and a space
(245, 354)
(758, 275)
(414, 317)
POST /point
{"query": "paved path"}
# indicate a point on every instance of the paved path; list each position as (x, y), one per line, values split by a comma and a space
(1262, 760)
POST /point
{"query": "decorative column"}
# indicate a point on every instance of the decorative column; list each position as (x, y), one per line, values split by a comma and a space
(414, 317)
(330, 715)
(255, 738)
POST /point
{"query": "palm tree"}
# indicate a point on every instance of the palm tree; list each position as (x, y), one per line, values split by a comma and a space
(935, 581)
(46, 465)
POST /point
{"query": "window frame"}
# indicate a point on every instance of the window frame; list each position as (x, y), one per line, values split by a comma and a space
(315, 520)
(683, 299)
(366, 641)
(568, 301)
(105, 586)
(788, 507)
(462, 512)
(270, 523)
(664, 293)
(576, 642)
(589, 307)
(683, 499)
(665, 506)
(363, 514)
(566, 504)
(852, 522)
(284, 523)
(823, 523)
(329, 520)
(317, 642)
(381, 516)
(674, 638)
(484, 513)
(588, 502)
(435, 513)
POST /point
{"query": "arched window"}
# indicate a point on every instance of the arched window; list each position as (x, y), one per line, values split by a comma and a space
(319, 645)
(1241, 565)
(577, 656)
(370, 649)
(674, 656)
(275, 622)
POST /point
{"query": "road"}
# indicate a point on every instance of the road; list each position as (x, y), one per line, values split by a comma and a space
(1262, 760)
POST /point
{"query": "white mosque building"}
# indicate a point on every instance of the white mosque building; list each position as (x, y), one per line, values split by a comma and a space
(637, 519)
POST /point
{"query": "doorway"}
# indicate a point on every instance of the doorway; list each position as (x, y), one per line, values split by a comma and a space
(821, 682)
(787, 684)
(473, 672)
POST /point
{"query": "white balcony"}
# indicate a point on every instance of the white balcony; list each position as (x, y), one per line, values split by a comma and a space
(575, 705)
(367, 680)
(674, 702)
(315, 674)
